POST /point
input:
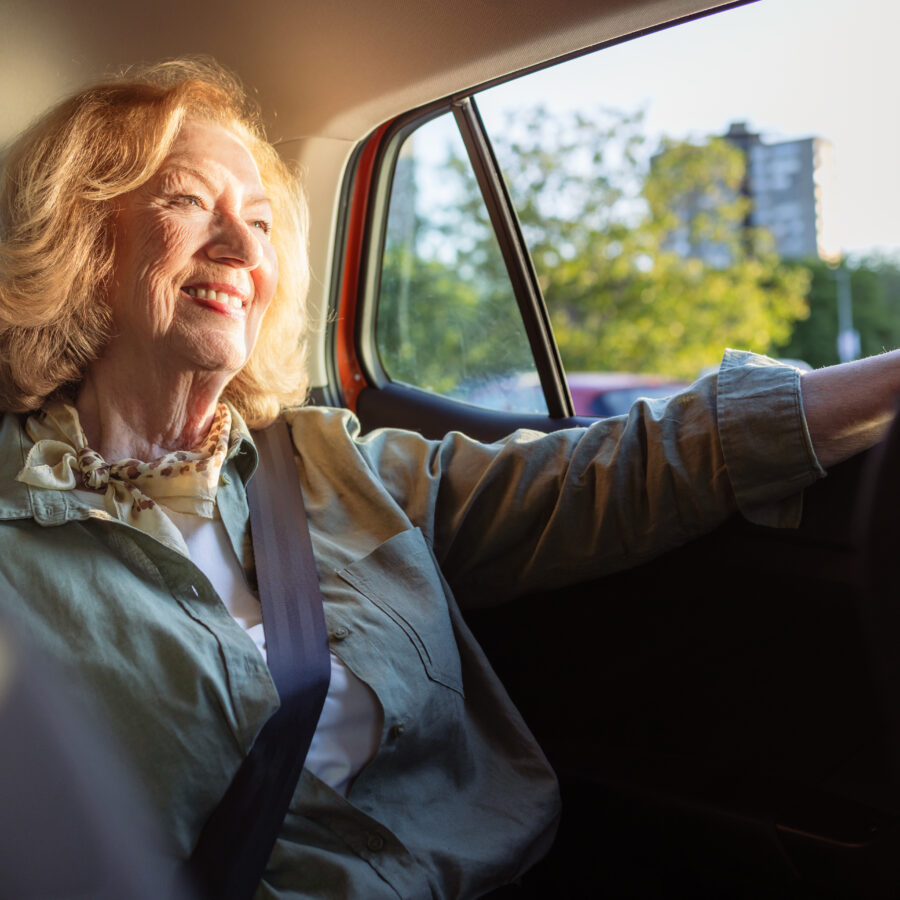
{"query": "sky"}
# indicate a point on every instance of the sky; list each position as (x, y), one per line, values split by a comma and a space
(788, 68)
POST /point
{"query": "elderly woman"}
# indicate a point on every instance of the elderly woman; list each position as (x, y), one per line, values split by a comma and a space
(152, 275)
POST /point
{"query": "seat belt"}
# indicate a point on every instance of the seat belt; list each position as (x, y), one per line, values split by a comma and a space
(237, 840)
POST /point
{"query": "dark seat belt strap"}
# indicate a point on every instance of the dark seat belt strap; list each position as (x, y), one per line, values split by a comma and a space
(237, 840)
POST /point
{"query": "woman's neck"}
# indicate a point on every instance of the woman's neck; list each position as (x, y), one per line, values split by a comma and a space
(158, 416)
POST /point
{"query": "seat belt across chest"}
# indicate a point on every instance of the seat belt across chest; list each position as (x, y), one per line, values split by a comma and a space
(237, 840)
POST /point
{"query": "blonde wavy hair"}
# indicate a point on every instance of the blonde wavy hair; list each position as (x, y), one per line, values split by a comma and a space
(58, 188)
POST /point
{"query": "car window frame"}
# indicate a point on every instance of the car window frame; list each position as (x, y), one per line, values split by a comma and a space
(517, 257)
(357, 378)
(505, 225)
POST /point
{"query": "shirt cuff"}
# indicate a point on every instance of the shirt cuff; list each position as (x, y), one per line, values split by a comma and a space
(765, 441)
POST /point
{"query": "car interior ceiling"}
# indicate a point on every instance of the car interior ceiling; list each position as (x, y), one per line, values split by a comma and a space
(724, 719)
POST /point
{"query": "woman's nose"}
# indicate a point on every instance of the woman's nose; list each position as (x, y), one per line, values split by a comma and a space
(235, 243)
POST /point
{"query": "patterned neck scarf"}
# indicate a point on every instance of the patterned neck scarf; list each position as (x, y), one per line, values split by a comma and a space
(185, 480)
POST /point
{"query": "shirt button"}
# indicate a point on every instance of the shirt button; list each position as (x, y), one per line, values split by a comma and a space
(375, 842)
(340, 633)
(398, 729)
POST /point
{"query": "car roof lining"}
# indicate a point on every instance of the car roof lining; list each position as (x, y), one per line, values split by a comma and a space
(327, 70)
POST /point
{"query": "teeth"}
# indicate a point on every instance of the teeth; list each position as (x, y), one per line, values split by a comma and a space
(219, 296)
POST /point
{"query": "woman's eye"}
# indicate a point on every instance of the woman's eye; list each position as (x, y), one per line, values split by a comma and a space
(189, 200)
(263, 225)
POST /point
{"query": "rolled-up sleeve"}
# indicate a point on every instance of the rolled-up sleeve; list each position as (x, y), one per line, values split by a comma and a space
(765, 441)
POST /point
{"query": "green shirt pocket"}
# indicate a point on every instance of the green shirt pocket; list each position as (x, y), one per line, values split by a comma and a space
(400, 578)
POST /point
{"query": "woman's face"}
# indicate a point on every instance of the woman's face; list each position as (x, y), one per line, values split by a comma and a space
(195, 268)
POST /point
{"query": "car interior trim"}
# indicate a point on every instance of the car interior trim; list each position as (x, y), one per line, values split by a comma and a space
(350, 371)
(516, 257)
(427, 413)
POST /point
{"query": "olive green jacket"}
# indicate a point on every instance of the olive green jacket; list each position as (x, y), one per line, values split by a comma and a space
(459, 798)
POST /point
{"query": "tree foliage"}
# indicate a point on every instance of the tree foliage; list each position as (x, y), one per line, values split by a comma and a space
(611, 235)
(646, 268)
(447, 316)
(875, 292)
(440, 327)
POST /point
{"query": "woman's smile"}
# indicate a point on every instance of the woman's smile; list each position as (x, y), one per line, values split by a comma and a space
(222, 298)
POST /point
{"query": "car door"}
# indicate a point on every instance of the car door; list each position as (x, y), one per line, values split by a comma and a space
(712, 714)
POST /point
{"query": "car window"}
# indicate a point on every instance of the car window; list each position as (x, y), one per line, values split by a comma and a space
(669, 211)
(447, 317)
(679, 196)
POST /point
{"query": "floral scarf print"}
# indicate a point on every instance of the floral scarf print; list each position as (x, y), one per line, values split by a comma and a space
(185, 480)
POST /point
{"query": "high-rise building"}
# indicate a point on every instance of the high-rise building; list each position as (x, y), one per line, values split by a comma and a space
(789, 184)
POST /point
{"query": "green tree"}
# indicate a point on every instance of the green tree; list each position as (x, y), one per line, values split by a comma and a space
(611, 236)
(619, 246)
(875, 292)
(447, 318)
(457, 332)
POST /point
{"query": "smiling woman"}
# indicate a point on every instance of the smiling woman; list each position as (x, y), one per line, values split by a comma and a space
(90, 157)
(152, 283)
(194, 273)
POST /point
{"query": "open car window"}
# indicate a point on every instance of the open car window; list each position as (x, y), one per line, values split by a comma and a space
(665, 213)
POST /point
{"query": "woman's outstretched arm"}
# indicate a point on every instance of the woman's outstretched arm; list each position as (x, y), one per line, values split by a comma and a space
(848, 407)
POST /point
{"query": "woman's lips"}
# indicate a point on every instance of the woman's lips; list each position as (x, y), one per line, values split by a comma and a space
(220, 298)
